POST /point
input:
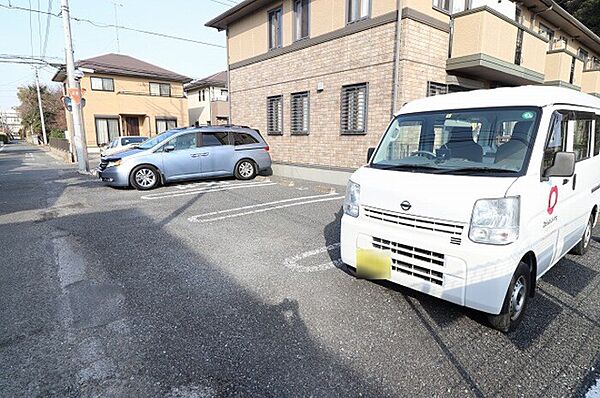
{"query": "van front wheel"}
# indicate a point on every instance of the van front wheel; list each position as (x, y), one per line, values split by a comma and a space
(515, 302)
(583, 245)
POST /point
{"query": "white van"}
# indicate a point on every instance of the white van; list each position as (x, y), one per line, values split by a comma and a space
(472, 197)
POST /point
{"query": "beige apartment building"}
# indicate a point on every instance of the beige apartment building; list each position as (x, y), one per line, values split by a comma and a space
(208, 100)
(127, 96)
(322, 77)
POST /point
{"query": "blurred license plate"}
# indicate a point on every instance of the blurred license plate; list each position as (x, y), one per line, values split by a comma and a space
(373, 264)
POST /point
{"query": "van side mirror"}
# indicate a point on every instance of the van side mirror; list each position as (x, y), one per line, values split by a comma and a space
(169, 148)
(563, 165)
(370, 153)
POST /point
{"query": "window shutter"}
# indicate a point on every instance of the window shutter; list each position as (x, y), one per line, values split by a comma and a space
(300, 113)
(275, 115)
(354, 109)
(434, 88)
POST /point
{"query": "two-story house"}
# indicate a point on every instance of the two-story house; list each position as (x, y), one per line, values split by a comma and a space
(208, 100)
(127, 96)
(323, 77)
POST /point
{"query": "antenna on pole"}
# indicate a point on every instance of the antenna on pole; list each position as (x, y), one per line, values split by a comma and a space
(115, 5)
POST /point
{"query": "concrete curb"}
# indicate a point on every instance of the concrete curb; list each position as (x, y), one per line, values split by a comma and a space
(324, 176)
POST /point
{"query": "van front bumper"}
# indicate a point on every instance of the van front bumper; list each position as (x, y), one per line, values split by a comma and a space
(469, 274)
(114, 176)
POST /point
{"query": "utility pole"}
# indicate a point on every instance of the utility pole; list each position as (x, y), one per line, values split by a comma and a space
(74, 92)
(39, 95)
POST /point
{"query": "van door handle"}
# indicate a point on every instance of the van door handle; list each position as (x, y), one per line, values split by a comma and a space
(195, 155)
(204, 154)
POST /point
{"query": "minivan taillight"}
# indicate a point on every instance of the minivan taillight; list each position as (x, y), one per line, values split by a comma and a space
(267, 148)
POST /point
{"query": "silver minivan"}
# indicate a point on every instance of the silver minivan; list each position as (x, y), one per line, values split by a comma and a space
(189, 153)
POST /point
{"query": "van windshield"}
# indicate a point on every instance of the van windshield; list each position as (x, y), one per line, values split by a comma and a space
(151, 143)
(491, 141)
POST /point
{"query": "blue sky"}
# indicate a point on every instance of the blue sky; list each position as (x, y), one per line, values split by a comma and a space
(184, 18)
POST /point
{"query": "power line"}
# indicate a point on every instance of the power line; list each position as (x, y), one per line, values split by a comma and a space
(39, 16)
(47, 28)
(30, 28)
(104, 25)
(223, 3)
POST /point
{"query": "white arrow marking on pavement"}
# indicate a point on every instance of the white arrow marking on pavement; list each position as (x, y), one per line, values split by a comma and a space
(292, 262)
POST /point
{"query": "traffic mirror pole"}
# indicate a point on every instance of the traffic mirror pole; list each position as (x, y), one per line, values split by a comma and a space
(80, 141)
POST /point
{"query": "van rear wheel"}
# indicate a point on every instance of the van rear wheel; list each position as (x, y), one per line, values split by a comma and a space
(245, 170)
(584, 244)
(515, 302)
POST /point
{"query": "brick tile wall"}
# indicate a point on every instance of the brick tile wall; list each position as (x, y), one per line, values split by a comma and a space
(364, 57)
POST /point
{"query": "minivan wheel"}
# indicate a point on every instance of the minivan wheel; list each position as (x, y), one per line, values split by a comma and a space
(245, 170)
(584, 244)
(144, 178)
(515, 302)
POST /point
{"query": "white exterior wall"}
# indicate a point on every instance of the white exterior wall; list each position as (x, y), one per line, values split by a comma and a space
(199, 111)
(505, 7)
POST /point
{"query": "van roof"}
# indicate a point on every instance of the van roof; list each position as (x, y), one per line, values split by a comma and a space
(538, 96)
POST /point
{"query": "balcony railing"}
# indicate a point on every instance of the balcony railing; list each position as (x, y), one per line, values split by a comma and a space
(563, 68)
(489, 44)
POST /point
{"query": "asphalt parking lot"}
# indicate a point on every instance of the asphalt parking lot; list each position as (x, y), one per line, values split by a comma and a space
(229, 288)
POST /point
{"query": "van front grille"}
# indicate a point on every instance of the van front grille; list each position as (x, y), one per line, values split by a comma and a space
(444, 227)
(413, 261)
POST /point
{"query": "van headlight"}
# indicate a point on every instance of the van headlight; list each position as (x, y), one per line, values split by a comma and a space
(114, 163)
(495, 221)
(351, 202)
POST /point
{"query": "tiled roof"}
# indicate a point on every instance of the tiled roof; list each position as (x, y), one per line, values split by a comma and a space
(124, 65)
(216, 80)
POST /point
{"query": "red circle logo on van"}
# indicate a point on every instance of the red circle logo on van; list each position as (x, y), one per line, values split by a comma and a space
(552, 199)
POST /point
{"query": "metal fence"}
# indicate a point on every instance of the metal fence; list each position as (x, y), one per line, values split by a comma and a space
(60, 143)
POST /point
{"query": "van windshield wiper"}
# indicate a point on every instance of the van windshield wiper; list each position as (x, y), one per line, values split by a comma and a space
(481, 170)
(407, 167)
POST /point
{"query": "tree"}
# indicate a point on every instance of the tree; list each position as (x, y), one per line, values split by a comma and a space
(28, 110)
(587, 11)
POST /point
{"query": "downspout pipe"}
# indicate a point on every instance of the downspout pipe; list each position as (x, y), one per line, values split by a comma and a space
(397, 43)
(229, 93)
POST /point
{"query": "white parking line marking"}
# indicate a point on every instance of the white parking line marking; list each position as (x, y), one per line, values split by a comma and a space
(292, 262)
(214, 213)
(323, 198)
(166, 195)
(2, 148)
(184, 187)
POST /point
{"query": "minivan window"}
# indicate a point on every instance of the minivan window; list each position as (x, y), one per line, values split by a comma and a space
(215, 139)
(490, 141)
(243, 139)
(131, 140)
(183, 142)
(151, 143)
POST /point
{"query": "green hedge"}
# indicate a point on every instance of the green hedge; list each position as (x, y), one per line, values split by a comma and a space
(57, 134)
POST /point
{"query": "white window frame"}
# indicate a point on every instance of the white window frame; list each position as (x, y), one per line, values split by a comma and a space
(160, 87)
(106, 83)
